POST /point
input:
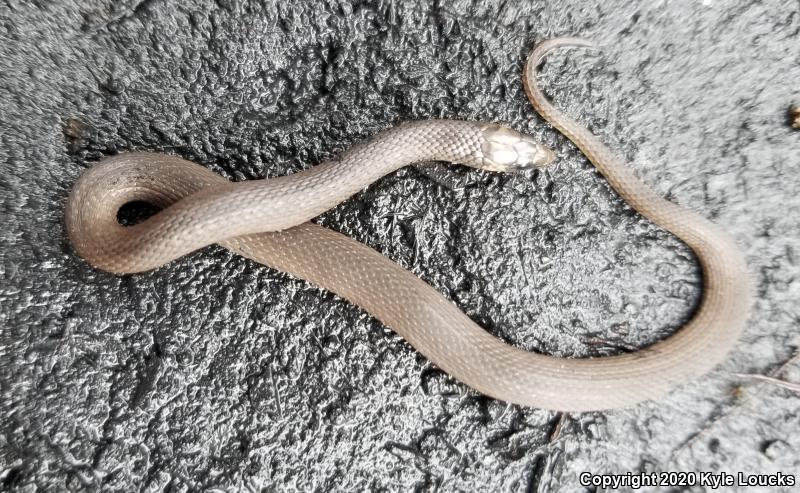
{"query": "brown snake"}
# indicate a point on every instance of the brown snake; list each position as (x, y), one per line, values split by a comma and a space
(266, 220)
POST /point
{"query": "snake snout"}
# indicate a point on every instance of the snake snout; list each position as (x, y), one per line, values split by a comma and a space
(504, 149)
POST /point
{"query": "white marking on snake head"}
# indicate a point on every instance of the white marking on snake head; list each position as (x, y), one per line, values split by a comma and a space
(504, 149)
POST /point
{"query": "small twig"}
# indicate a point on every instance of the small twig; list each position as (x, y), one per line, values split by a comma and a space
(737, 406)
(775, 381)
(276, 392)
(558, 428)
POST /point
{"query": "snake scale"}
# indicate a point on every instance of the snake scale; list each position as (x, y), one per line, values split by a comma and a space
(267, 221)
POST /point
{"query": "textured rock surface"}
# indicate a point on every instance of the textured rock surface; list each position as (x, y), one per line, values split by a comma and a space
(214, 372)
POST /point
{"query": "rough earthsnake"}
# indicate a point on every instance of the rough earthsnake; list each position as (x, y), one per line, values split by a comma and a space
(267, 221)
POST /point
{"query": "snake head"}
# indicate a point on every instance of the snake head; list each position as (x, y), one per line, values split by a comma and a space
(507, 150)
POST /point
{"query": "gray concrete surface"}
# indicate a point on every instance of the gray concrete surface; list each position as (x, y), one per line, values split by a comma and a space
(216, 374)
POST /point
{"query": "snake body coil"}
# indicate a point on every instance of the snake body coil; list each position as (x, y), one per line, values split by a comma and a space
(266, 220)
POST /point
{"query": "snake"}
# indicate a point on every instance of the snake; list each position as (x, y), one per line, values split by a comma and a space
(269, 222)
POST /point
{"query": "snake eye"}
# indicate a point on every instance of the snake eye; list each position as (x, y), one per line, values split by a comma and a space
(507, 150)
